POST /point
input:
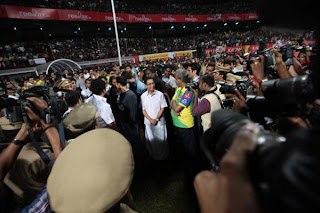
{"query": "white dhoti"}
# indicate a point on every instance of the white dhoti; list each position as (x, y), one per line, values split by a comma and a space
(156, 141)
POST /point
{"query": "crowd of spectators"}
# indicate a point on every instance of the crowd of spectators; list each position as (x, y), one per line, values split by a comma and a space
(15, 55)
(169, 102)
(136, 7)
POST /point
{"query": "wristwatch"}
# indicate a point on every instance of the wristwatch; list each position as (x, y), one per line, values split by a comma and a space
(18, 142)
(157, 119)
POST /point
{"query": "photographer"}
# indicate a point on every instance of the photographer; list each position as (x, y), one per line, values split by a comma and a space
(9, 155)
(224, 191)
(210, 102)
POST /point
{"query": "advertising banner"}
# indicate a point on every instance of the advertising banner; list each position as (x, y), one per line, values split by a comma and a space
(17, 12)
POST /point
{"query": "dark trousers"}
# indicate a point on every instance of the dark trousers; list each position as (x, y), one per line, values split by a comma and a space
(188, 139)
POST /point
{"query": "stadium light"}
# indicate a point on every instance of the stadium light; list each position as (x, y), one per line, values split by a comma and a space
(225, 24)
(14, 28)
(79, 29)
(41, 28)
(258, 22)
(237, 23)
(149, 27)
(184, 27)
(205, 25)
(98, 28)
(125, 28)
(172, 27)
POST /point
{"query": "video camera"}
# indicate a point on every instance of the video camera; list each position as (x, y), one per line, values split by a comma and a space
(242, 85)
(14, 109)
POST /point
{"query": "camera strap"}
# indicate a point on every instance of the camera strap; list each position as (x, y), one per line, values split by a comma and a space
(58, 117)
(34, 142)
(214, 92)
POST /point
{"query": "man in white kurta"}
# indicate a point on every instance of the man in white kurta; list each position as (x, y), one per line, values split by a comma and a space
(153, 104)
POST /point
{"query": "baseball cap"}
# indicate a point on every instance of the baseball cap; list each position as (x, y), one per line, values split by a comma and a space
(92, 174)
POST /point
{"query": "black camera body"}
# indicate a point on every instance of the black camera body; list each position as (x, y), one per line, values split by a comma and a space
(242, 85)
(14, 109)
(287, 53)
(193, 85)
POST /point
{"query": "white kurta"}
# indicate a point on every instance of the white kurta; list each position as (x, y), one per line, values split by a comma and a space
(156, 136)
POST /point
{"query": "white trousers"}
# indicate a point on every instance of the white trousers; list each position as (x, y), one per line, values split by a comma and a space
(156, 141)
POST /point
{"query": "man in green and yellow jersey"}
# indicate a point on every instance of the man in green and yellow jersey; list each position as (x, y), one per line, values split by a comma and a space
(181, 112)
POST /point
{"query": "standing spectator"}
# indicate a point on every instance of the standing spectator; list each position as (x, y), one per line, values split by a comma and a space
(105, 118)
(72, 98)
(128, 109)
(194, 71)
(86, 93)
(153, 105)
(210, 69)
(168, 79)
(220, 76)
(181, 112)
(86, 74)
(81, 81)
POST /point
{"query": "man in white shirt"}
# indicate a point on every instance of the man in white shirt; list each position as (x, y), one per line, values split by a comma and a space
(168, 79)
(105, 118)
(153, 105)
(86, 93)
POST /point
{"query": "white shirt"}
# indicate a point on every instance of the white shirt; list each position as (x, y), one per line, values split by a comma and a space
(171, 81)
(86, 93)
(86, 76)
(152, 103)
(102, 107)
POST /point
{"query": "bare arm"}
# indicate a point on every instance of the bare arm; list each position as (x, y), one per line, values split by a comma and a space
(10, 154)
(280, 66)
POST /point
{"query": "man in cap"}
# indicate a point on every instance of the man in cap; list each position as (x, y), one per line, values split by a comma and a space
(96, 156)
(80, 120)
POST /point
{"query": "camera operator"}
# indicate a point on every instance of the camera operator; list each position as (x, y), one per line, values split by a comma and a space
(9, 155)
(231, 189)
(210, 102)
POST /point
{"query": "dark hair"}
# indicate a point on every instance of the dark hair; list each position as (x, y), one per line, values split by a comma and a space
(224, 74)
(88, 79)
(146, 80)
(111, 79)
(72, 98)
(208, 79)
(127, 75)
(97, 86)
(122, 80)
(196, 66)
